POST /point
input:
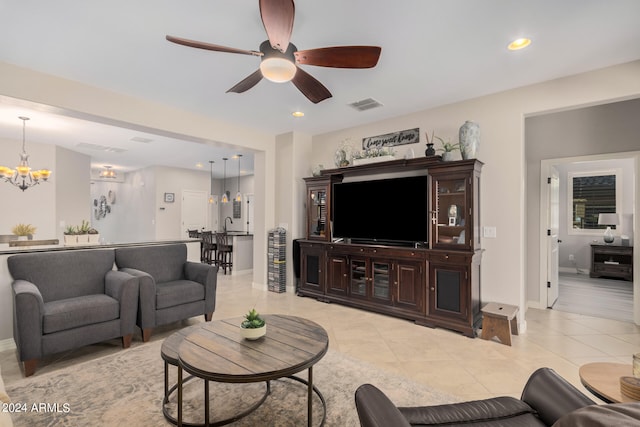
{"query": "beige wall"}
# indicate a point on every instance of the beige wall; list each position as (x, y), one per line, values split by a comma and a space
(501, 118)
(91, 103)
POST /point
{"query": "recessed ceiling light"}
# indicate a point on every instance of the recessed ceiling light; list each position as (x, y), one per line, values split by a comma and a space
(519, 44)
(297, 114)
(199, 165)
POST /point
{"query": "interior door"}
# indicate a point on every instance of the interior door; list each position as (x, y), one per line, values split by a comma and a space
(553, 221)
(194, 211)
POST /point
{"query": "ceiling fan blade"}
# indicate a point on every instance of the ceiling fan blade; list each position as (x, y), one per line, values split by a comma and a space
(209, 46)
(247, 83)
(340, 56)
(310, 87)
(277, 18)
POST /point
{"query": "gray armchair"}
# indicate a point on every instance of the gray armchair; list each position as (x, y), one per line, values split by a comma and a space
(68, 299)
(171, 288)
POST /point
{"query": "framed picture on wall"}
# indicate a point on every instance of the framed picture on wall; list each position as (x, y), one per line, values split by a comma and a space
(169, 197)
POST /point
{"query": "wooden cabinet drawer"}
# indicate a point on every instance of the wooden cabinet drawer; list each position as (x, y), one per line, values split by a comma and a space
(447, 257)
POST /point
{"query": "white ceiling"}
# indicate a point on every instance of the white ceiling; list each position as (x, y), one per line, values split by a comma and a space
(433, 53)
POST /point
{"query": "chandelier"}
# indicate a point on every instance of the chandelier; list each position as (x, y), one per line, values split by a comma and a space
(23, 177)
(108, 172)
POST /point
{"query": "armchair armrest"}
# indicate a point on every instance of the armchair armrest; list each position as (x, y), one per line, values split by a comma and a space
(552, 396)
(28, 314)
(124, 288)
(147, 296)
(207, 275)
(376, 410)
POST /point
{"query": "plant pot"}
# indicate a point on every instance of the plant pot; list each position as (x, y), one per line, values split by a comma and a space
(447, 156)
(70, 239)
(94, 239)
(83, 239)
(23, 237)
(253, 333)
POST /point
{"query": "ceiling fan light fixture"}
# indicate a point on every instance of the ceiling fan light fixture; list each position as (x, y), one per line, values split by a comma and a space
(278, 70)
(276, 66)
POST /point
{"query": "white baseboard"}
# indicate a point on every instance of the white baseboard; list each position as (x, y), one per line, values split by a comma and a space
(8, 344)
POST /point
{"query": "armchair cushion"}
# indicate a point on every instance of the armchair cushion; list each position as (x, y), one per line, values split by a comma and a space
(178, 292)
(80, 311)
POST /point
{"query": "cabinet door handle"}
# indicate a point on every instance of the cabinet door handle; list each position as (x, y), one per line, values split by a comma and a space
(433, 289)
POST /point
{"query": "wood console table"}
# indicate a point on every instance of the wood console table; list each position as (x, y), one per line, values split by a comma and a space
(612, 261)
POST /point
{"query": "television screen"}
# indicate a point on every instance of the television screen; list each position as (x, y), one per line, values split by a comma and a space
(382, 210)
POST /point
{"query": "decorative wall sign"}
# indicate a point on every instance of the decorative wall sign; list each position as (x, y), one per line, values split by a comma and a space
(409, 136)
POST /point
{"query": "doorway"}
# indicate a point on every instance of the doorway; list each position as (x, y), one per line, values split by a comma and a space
(575, 291)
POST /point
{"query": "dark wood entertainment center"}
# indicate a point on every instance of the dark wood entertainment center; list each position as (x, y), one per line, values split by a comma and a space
(434, 283)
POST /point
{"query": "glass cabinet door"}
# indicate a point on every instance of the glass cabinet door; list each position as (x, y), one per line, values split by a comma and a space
(358, 282)
(450, 214)
(380, 275)
(317, 213)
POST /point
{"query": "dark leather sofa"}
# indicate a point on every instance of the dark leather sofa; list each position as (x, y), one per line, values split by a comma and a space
(545, 399)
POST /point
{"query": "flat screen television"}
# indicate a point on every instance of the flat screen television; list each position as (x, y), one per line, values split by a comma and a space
(386, 210)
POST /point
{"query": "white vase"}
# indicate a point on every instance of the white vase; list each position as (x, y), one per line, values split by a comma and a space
(469, 137)
(253, 333)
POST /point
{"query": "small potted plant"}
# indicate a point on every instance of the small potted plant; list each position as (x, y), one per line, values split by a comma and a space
(23, 231)
(94, 236)
(83, 232)
(447, 149)
(253, 326)
(70, 236)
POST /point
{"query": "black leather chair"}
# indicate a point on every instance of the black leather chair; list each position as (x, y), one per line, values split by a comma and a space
(545, 399)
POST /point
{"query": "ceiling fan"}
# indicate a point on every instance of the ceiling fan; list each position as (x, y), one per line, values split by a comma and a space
(279, 57)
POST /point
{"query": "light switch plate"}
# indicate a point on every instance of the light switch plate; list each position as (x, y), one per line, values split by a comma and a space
(489, 232)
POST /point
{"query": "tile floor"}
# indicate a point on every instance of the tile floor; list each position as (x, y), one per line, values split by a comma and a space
(465, 367)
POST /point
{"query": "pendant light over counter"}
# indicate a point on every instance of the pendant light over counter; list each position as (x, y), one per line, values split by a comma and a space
(225, 194)
(211, 162)
(238, 194)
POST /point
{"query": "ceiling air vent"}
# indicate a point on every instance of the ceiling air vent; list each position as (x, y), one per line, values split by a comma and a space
(365, 104)
(141, 139)
(98, 147)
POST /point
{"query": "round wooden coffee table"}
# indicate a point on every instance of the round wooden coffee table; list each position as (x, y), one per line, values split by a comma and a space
(603, 380)
(215, 351)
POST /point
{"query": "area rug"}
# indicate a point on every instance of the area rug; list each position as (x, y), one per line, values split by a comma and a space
(127, 388)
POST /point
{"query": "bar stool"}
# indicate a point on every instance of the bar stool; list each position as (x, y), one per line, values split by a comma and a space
(208, 247)
(224, 258)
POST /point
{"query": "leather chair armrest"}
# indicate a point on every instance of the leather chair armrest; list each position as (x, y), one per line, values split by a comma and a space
(376, 410)
(28, 314)
(552, 396)
(207, 275)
